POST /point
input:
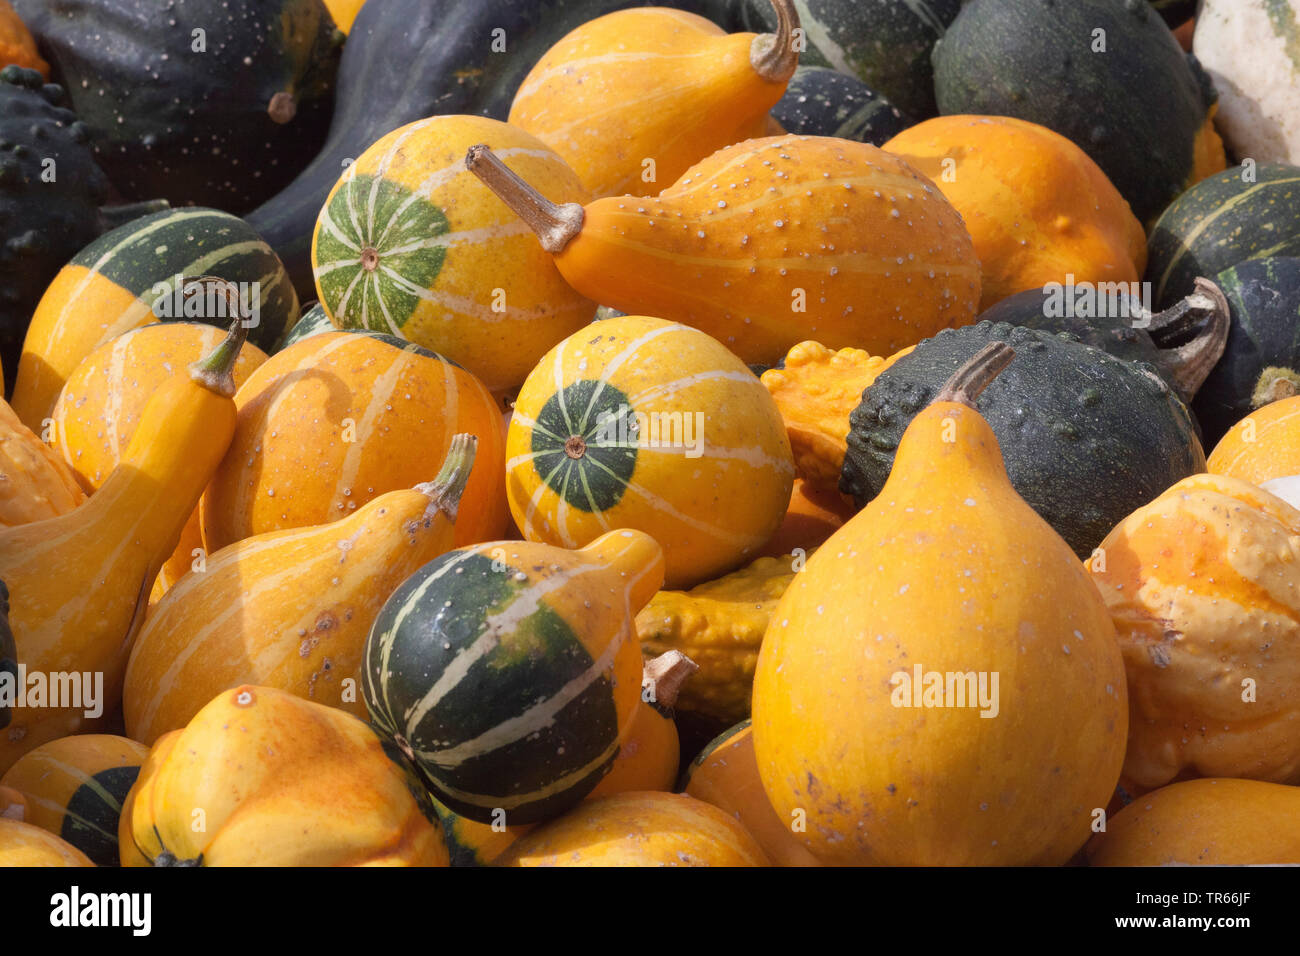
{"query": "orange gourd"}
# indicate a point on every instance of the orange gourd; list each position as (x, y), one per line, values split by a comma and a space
(650, 753)
(78, 583)
(22, 844)
(816, 390)
(102, 401)
(813, 516)
(34, 482)
(1263, 445)
(1038, 208)
(1001, 757)
(338, 419)
(639, 829)
(725, 774)
(1203, 586)
(768, 243)
(633, 99)
(289, 609)
(277, 781)
(17, 45)
(1211, 822)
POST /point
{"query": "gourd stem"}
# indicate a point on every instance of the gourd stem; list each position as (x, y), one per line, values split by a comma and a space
(1274, 384)
(554, 224)
(773, 55)
(664, 675)
(282, 108)
(972, 378)
(1192, 334)
(445, 491)
(110, 217)
(215, 371)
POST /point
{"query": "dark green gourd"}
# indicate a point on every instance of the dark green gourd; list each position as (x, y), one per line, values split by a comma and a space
(1182, 343)
(1247, 212)
(1086, 437)
(211, 102)
(1261, 362)
(884, 43)
(822, 102)
(408, 59)
(1135, 105)
(51, 191)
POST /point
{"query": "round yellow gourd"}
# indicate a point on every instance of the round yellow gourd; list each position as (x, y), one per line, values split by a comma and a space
(640, 423)
(410, 243)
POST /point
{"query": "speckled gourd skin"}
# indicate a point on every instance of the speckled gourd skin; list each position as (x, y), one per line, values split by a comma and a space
(1087, 437)
(822, 102)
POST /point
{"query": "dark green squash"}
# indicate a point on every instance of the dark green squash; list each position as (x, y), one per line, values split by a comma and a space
(1136, 108)
(408, 59)
(226, 125)
(8, 658)
(1261, 362)
(1086, 437)
(1247, 212)
(51, 194)
(884, 43)
(822, 102)
(1182, 343)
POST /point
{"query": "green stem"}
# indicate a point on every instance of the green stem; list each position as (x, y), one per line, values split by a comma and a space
(215, 371)
(444, 492)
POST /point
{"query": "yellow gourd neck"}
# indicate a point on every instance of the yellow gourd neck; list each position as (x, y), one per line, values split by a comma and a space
(634, 559)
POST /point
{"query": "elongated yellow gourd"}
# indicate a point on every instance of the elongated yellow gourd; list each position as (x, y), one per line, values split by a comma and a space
(288, 609)
(941, 684)
(633, 99)
(768, 243)
(78, 583)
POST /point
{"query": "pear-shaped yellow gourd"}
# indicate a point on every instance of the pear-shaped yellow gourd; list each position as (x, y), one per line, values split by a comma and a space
(941, 685)
(633, 99)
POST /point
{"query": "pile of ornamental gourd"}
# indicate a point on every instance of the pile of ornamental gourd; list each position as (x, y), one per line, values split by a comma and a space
(740, 432)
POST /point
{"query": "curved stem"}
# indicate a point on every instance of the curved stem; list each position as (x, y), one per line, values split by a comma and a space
(971, 379)
(665, 675)
(555, 225)
(215, 371)
(110, 217)
(1193, 333)
(445, 491)
(773, 55)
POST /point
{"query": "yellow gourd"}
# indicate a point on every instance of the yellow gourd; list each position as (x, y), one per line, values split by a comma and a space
(277, 781)
(34, 481)
(719, 625)
(22, 844)
(633, 99)
(78, 583)
(1203, 586)
(1263, 445)
(941, 685)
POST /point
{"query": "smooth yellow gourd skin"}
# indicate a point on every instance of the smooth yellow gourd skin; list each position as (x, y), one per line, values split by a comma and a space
(1203, 586)
(633, 99)
(24, 844)
(1208, 822)
(78, 583)
(949, 569)
(647, 828)
(726, 775)
(709, 512)
(1038, 208)
(1263, 445)
(286, 609)
(280, 781)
